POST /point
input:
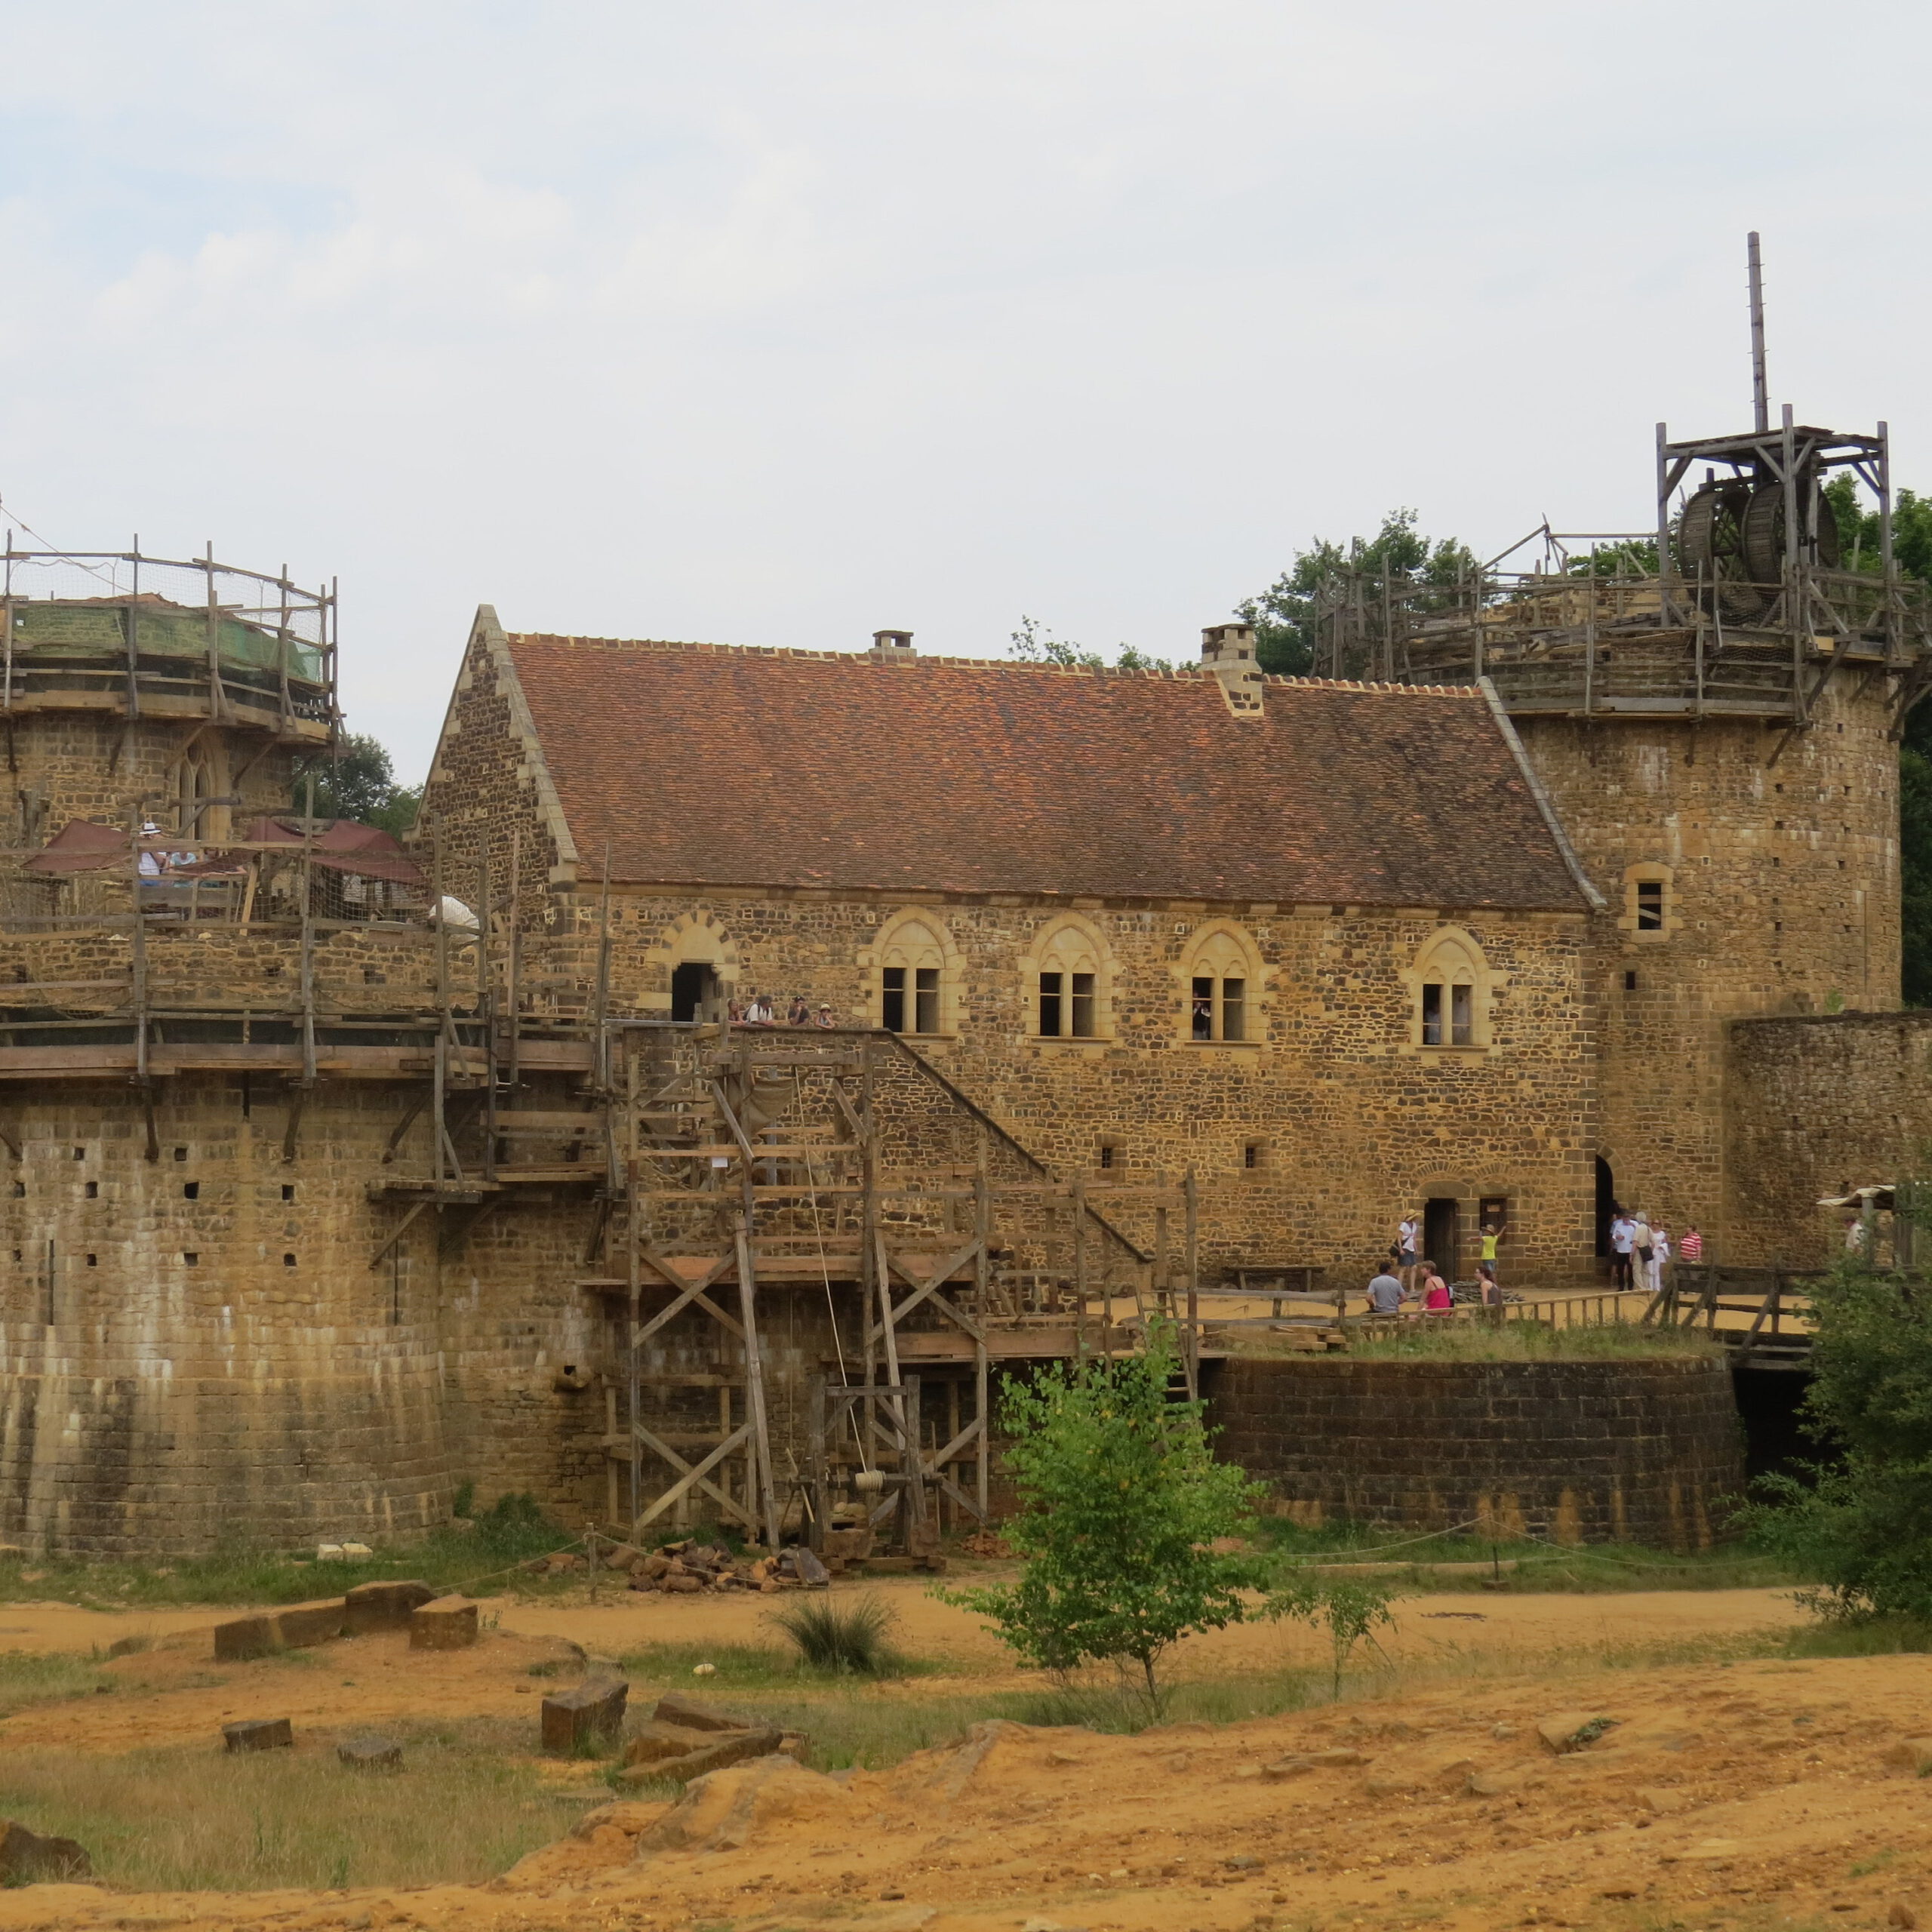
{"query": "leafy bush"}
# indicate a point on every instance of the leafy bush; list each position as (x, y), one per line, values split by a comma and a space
(842, 1636)
(1120, 1502)
(1862, 1528)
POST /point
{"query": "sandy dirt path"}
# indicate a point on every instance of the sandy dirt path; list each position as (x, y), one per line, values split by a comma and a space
(1761, 1794)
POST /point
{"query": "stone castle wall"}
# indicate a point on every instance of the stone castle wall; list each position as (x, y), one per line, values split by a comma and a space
(1818, 1105)
(1575, 1451)
(196, 1350)
(1780, 853)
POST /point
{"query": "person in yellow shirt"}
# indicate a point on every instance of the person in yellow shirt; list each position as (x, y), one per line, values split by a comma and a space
(1492, 1233)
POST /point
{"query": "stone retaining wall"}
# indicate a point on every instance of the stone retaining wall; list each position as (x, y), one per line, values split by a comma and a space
(1580, 1451)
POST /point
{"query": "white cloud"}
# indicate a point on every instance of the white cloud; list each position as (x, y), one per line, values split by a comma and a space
(774, 322)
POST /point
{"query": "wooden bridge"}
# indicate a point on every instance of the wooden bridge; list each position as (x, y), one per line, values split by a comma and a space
(1761, 1317)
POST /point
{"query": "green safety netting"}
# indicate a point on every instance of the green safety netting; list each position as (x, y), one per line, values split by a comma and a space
(166, 630)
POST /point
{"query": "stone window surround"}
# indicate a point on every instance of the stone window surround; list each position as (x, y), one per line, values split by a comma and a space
(1648, 872)
(1062, 944)
(693, 939)
(1448, 950)
(913, 937)
(1236, 939)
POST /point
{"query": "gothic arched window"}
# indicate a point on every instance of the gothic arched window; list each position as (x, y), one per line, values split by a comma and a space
(916, 983)
(1221, 978)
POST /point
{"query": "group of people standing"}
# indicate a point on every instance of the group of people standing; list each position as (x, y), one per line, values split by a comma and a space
(1409, 1277)
(759, 1011)
(1640, 1248)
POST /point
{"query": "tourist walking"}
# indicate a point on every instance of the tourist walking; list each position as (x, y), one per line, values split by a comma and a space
(1623, 1235)
(1640, 1248)
(1408, 1241)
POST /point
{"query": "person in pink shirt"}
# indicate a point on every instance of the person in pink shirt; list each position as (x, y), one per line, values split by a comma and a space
(1436, 1299)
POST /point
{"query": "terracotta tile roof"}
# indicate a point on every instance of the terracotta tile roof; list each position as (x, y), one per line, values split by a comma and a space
(707, 764)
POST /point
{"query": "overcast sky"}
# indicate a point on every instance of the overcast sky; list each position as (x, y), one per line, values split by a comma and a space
(779, 323)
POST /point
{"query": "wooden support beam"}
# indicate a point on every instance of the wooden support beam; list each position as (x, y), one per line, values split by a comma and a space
(402, 1228)
(695, 1475)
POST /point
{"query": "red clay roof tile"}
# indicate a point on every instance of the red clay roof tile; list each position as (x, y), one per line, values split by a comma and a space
(702, 764)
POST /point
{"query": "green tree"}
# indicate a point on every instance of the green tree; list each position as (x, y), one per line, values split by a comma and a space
(1863, 1526)
(358, 782)
(1861, 548)
(1120, 1503)
(1036, 645)
(1282, 615)
(1350, 1608)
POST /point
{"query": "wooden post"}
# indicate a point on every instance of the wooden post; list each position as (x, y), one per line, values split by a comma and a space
(138, 962)
(817, 1475)
(601, 1047)
(484, 1005)
(637, 1231)
(1193, 1264)
(760, 1470)
(867, 1204)
(439, 1060)
(983, 1230)
(1078, 1195)
(1164, 1286)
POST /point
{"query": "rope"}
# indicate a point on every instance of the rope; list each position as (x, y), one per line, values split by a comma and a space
(1307, 1562)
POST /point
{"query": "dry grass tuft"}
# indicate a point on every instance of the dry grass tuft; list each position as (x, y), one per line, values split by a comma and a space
(462, 1809)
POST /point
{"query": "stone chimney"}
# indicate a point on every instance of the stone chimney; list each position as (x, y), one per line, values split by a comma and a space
(892, 647)
(1227, 655)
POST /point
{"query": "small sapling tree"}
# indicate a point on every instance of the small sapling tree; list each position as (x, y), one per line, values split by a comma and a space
(1121, 1503)
(1349, 1607)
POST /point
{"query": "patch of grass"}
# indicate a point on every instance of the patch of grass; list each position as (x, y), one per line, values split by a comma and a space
(1860, 1637)
(737, 1667)
(1541, 1568)
(749, 1667)
(488, 1549)
(462, 1809)
(26, 1678)
(1531, 1341)
(846, 1637)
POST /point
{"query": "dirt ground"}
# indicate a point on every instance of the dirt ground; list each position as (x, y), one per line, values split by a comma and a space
(1747, 1794)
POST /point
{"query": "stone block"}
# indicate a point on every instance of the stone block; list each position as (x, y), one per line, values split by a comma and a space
(383, 1606)
(28, 1858)
(694, 1716)
(370, 1753)
(258, 1734)
(722, 1748)
(243, 1637)
(651, 1743)
(298, 1626)
(447, 1623)
(586, 1719)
